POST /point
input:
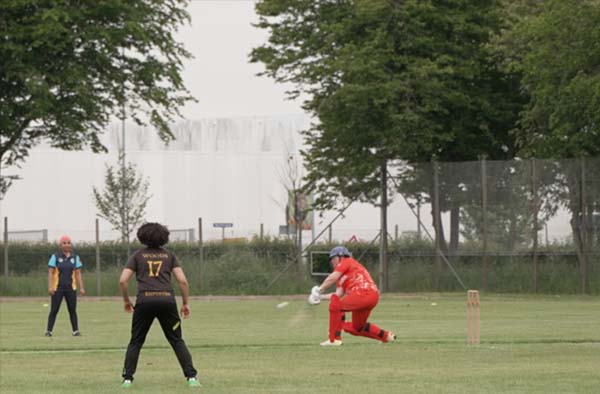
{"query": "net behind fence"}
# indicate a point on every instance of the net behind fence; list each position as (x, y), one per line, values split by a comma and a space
(520, 225)
(28, 235)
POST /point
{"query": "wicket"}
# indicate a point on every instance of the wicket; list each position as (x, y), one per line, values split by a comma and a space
(473, 317)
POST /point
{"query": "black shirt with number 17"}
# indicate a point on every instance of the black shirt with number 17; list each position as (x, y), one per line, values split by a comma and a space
(153, 269)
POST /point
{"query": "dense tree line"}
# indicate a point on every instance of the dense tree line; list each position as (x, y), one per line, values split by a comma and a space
(396, 83)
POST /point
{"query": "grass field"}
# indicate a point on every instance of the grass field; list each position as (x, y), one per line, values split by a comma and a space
(530, 344)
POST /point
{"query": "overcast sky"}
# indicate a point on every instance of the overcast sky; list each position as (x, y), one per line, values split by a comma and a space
(220, 37)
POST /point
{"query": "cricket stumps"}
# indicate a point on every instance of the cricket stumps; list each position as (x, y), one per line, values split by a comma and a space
(472, 317)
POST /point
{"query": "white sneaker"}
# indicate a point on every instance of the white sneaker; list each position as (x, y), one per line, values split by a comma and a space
(337, 342)
(390, 337)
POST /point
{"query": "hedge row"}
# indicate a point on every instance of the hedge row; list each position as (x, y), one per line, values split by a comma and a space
(25, 257)
(268, 266)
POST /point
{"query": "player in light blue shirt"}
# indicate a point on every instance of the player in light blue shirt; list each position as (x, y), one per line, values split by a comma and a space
(64, 273)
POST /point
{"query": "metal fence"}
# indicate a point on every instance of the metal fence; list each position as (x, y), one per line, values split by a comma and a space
(531, 222)
(497, 208)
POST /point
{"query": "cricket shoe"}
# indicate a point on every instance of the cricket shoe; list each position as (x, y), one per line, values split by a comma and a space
(336, 342)
(76, 333)
(193, 382)
(390, 337)
(48, 333)
(126, 384)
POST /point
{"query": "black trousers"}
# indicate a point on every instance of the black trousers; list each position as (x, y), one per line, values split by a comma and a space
(143, 316)
(70, 297)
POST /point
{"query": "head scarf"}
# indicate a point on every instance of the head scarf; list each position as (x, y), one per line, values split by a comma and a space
(64, 238)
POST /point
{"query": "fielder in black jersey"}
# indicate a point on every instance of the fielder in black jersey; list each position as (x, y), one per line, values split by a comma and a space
(153, 267)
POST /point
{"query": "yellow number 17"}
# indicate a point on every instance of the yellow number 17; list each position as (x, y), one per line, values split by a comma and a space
(154, 268)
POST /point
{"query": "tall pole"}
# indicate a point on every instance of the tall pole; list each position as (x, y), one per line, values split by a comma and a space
(484, 277)
(536, 203)
(124, 187)
(383, 241)
(583, 229)
(437, 227)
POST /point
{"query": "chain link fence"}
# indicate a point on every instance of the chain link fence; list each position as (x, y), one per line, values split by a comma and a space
(505, 226)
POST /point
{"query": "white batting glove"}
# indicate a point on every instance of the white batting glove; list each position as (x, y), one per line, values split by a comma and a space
(315, 296)
(314, 300)
(316, 292)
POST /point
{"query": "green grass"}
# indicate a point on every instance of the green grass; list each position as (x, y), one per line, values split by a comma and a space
(530, 344)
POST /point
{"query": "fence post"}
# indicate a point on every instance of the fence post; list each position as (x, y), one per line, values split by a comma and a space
(262, 231)
(98, 272)
(419, 218)
(201, 250)
(536, 205)
(6, 254)
(437, 224)
(484, 274)
(583, 230)
(300, 272)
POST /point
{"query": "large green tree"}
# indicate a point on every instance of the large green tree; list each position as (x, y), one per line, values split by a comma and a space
(67, 67)
(557, 51)
(556, 48)
(390, 81)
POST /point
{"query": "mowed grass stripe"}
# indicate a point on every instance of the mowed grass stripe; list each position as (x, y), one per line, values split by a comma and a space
(294, 345)
(530, 345)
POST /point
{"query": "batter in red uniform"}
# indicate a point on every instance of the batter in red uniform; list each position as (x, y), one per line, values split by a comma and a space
(355, 292)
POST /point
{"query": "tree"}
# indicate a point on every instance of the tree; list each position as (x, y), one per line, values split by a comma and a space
(557, 50)
(5, 183)
(390, 82)
(514, 189)
(124, 199)
(67, 67)
(298, 203)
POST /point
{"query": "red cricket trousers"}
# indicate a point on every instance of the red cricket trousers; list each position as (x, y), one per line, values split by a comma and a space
(361, 305)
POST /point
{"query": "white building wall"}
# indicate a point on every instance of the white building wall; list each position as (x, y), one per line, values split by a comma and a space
(222, 170)
(219, 169)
